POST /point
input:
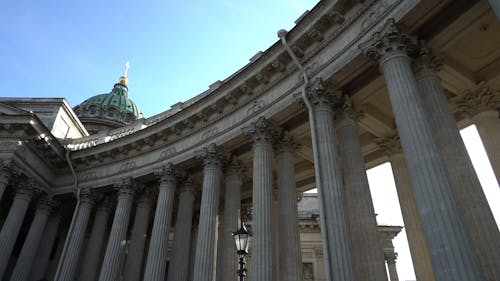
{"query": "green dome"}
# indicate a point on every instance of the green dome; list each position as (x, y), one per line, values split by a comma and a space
(114, 108)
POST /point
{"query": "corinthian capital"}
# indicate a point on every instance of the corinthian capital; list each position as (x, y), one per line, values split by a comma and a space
(48, 204)
(481, 100)
(262, 130)
(168, 173)
(321, 95)
(349, 110)
(426, 62)
(128, 186)
(212, 155)
(387, 42)
(87, 195)
(390, 145)
(234, 166)
(28, 188)
(286, 144)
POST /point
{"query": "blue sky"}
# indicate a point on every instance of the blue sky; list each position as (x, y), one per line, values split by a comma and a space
(77, 49)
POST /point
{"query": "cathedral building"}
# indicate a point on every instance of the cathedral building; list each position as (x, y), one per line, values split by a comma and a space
(99, 192)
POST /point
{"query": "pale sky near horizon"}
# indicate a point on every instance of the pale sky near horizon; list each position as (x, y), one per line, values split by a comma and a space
(76, 50)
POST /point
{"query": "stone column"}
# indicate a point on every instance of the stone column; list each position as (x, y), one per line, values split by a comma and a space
(24, 194)
(331, 192)
(5, 172)
(156, 263)
(179, 264)
(413, 226)
(472, 202)
(290, 263)
(69, 262)
(95, 247)
(262, 134)
(228, 259)
(213, 160)
(367, 251)
(26, 258)
(390, 258)
(115, 250)
(133, 265)
(481, 106)
(452, 254)
(192, 247)
(44, 249)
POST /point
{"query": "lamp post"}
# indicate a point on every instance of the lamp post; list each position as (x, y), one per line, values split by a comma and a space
(242, 240)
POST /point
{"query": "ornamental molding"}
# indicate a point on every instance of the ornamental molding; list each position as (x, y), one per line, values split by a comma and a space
(390, 145)
(388, 42)
(262, 131)
(178, 148)
(212, 155)
(477, 101)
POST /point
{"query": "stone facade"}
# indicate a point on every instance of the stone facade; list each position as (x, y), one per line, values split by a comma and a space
(354, 84)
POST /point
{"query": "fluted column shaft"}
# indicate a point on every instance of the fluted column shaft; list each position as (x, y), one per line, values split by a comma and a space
(45, 248)
(133, 264)
(4, 180)
(228, 259)
(391, 265)
(12, 225)
(69, 263)
(367, 251)
(156, 263)
(290, 264)
(452, 254)
(179, 265)
(416, 238)
(331, 188)
(115, 250)
(95, 247)
(25, 260)
(206, 245)
(472, 202)
(263, 135)
(487, 124)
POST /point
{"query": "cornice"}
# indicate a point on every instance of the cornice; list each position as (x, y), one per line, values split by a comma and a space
(215, 118)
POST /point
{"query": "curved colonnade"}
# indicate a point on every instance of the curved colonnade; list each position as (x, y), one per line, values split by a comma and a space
(189, 170)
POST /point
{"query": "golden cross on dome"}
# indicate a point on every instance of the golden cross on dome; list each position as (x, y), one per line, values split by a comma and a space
(123, 78)
(127, 66)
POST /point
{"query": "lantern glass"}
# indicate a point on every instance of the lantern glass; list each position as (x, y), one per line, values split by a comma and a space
(242, 240)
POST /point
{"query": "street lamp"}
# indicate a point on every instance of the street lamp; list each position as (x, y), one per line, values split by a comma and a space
(242, 240)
